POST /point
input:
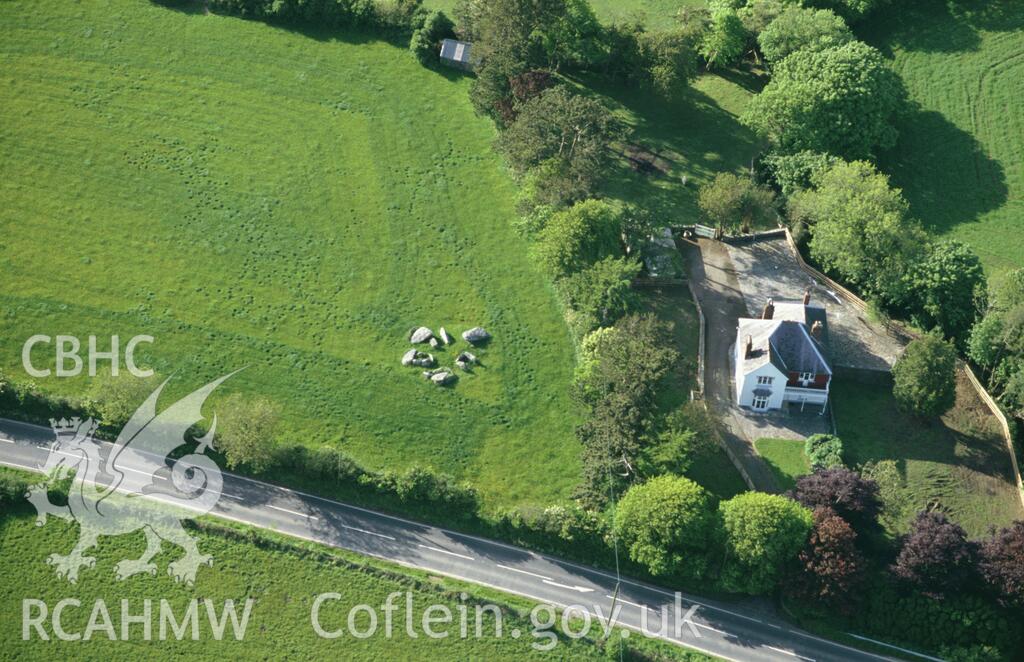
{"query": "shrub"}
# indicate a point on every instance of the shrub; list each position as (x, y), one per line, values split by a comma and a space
(578, 237)
(736, 203)
(12, 489)
(602, 292)
(667, 524)
(949, 288)
(824, 451)
(1002, 563)
(245, 431)
(924, 377)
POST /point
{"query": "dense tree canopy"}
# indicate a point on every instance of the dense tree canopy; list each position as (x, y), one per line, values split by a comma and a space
(564, 131)
(579, 236)
(949, 289)
(763, 534)
(726, 39)
(852, 497)
(860, 229)
(936, 556)
(997, 342)
(924, 377)
(667, 525)
(824, 451)
(842, 100)
(798, 28)
(601, 293)
(830, 568)
(618, 386)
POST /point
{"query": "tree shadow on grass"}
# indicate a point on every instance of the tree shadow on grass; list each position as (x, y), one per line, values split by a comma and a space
(691, 133)
(940, 26)
(944, 172)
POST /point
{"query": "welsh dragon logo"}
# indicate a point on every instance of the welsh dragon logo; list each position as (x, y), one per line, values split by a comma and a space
(121, 488)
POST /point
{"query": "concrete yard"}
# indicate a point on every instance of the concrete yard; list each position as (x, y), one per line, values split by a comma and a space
(768, 268)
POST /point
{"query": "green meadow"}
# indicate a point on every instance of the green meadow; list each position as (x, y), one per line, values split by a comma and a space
(960, 159)
(293, 203)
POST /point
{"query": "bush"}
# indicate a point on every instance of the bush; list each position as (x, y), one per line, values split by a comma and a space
(936, 557)
(330, 13)
(797, 28)
(603, 292)
(246, 431)
(924, 377)
(853, 498)
(12, 489)
(824, 451)
(578, 237)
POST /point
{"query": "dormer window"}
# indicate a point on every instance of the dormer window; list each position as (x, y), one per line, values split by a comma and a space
(807, 376)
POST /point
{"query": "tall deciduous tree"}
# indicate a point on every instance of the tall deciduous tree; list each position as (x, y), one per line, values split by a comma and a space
(667, 525)
(830, 568)
(842, 100)
(725, 40)
(936, 557)
(569, 132)
(924, 377)
(763, 533)
(949, 288)
(618, 387)
(861, 229)
(575, 238)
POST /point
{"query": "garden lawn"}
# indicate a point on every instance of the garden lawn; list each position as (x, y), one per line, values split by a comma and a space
(959, 464)
(960, 159)
(786, 459)
(291, 203)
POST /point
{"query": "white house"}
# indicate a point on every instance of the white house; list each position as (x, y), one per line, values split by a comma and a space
(780, 358)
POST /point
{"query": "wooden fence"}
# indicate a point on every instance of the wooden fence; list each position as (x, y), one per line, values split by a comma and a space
(905, 335)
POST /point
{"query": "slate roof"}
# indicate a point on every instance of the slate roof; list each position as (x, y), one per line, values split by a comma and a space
(785, 343)
(456, 51)
(808, 314)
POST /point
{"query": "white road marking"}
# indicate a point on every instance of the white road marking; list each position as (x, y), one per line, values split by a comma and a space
(291, 512)
(231, 496)
(369, 533)
(525, 572)
(144, 473)
(902, 650)
(791, 653)
(445, 551)
(708, 627)
(581, 589)
(626, 602)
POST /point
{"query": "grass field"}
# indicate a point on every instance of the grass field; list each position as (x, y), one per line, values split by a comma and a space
(959, 464)
(960, 159)
(786, 459)
(294, 203)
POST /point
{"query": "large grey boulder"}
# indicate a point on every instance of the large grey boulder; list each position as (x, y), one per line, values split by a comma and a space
(424, 360)
(434, 343)
(445, 336)
(409, 357)
(476, 335)
(465, 360)
(421, 335)
(443, 378)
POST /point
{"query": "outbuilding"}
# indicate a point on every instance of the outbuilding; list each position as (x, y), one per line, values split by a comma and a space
(457, 54)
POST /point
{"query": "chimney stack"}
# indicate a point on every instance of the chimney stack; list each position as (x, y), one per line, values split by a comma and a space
(816, 330)
(769, 310)
(807, 296)
(749, 347)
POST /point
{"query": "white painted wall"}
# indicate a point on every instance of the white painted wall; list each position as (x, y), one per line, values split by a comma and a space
(745, 385)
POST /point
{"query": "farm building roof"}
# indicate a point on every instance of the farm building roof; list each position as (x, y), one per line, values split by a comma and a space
(456, 51)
